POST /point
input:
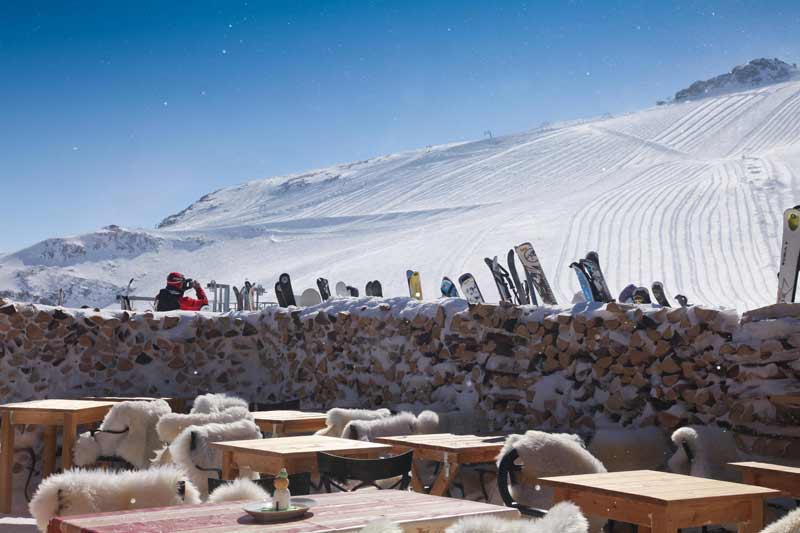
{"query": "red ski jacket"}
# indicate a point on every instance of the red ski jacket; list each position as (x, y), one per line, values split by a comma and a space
(192, 304)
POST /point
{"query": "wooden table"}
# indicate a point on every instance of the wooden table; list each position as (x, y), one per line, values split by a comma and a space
(178, 405)
(783, 478)
(282, 423)
(339, 511)
(662, 502)
(295, 454)
(50, 413)
(450, 450)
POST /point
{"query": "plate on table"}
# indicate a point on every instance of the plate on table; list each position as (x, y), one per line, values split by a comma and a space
(263, 512)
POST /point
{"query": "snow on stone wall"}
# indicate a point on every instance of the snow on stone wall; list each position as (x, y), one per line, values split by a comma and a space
(514, 367)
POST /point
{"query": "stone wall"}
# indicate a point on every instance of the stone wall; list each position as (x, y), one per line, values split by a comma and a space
(515, 367)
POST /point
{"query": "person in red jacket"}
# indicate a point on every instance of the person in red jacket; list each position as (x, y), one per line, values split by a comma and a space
(171, 297)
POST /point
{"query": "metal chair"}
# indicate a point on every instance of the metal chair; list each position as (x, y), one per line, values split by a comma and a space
(287, 405)
(335, 471)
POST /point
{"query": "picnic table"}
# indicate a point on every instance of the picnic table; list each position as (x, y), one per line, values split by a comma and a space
(450, 450)
(295, 454)
(340, 512)
(50, 413)
(783, 478)
(662, 502)
(282, 423)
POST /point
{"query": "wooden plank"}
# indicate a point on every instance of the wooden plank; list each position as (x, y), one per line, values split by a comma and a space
(68, 440)
(305, 445)
(53, 405)
(49, 451)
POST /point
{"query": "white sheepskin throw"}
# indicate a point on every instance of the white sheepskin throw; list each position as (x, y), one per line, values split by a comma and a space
(210, 403)
(137, 445)
(170, 426)
(203, 455)
(336, 419)
(381, 526)
(788, 524)
(711, 449)
(238, 490)
(621, 449)
(546, 455)
(81, 491)
(565, 517)
(401, 424)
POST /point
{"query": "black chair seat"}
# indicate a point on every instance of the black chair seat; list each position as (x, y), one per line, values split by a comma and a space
(287, 405)
(336, 471)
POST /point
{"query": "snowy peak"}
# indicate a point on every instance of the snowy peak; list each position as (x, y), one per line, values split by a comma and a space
(756, 73)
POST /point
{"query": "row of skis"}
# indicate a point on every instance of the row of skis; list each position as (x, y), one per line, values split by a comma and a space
(529, 289)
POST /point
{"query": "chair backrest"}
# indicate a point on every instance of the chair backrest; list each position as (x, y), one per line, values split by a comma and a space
(299, 484)
(335, 470)
(287, 405)
(507, 475)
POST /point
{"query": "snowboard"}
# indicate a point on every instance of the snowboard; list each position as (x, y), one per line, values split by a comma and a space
(535, 274)
(368, 289)
(519, 288)
(324, 289)
(583, 281)
(501, 278)
(626, 296)
(790, 256)
(591, 267)
(448, 288)
(341, 290)
(351, 291)
(414, 284)
(470, 288)
(284, 286)
(683, 300)
(246, 295)
(641, 296)
(659, 294)
(310, 297)
(253, 297)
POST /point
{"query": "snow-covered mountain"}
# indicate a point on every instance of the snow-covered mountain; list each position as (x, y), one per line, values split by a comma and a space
(690, 193)
(756, 73)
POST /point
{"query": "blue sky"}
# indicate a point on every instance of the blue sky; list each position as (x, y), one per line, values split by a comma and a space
(126, 112)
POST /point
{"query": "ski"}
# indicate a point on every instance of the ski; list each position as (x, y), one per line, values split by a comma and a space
(470, 288)
(377, 289)
(522, 295)
(239, 297)
(324, 289)
(414, 284)
(591, 267)
(659, 294)
(126, 299)
(341, 290)
(641, 296)
(501, 279)
(352, 291)
(285, 286)
(535, 274)
(790, 256)
(246, 295)
(583, 280)
(448, 288)
(368, 289)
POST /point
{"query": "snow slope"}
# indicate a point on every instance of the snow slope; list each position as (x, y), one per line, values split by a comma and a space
(689, 193)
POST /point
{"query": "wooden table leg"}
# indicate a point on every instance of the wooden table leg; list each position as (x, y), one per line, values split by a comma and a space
(756, 522)
(446, 476)
(49, 452)
(6, 462)
(417, 484)
(229, 470)
(68, 441)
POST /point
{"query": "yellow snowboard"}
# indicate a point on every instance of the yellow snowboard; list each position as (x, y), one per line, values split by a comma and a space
(414, 284)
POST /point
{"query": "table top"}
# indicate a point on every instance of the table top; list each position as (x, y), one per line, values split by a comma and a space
(117, 399)
(279, 417)
(341, 511)
(658, 487)
(447, 442)
(304, 445)
(752, 465)
(56, 405)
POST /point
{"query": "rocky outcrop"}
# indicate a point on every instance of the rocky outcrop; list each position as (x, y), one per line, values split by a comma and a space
(756, 73)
